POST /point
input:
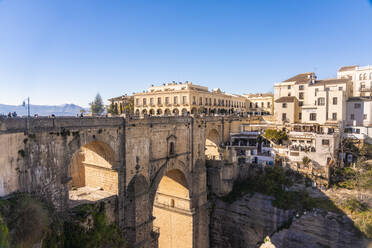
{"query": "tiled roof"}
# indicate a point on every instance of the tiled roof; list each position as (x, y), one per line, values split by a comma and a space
(301, 78)
(258, 95)
(331, 81)
(347, 68)
(286, 99)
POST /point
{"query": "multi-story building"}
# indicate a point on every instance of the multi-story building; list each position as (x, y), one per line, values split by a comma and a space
(361, 77)
(260, 104)
(318, 101)
(186, 98)
(122, 104)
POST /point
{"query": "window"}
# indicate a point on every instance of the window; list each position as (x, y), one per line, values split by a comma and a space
(340, 88)
(200, 100)
(144, 101)
(284, 105)
(357, 105)
(312, 116)
(137, 101)
(151, 101)
(289, 93)
(172, 203)
(334, 116)
(352, 117)
(289, 87)
(325, 142)
(316, 91)
(194, 100)
(301, 95)
(171, 148)
(256, 105)
(300, 103)
(262, 104)
(268, 104)
(301, 87)
(250, 105)
(159, 100)
(357, 131)
(364, 117)
(184, 99)
(214, 102)
(167, 100)
(299, 116)
(284, 116)
(334, 100)
(361, 76)
(362, 85)
(321, 101)
(175, 100)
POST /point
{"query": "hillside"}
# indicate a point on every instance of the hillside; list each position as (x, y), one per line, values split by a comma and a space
(42, 110)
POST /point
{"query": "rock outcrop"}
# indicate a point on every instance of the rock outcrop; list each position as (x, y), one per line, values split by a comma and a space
(247, 221)
(319, 230)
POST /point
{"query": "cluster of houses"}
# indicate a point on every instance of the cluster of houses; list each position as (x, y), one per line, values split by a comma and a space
(316, 115)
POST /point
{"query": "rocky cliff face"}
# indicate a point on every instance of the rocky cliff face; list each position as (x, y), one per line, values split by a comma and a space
(247, 221)
(319, 230)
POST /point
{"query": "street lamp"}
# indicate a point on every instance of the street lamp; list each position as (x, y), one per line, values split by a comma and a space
(28, 106)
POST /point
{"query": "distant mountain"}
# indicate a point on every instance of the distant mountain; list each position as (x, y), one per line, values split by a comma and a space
(42, 110)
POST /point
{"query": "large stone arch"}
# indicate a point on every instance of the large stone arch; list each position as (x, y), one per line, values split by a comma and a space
(91, 173)
(171, 164)
(172, 208)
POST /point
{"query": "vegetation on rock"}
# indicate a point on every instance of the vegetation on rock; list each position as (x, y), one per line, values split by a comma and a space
(25, 220)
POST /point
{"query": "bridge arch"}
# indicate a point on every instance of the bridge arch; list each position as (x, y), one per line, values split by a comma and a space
(212, 142)
(172, 209)
(91, 174)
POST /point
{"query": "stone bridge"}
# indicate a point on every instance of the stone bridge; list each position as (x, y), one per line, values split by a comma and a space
(154, 168)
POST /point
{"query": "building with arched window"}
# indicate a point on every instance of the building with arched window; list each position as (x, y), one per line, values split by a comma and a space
(361, 77)
(187, 98)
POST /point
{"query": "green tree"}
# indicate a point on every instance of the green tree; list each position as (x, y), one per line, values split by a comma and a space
(97, 106)
(275, 136)
(112, 109)
(306, 161)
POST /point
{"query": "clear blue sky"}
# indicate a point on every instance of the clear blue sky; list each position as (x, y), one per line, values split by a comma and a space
(66, 51)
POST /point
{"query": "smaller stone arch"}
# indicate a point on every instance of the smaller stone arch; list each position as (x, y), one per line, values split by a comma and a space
(167, 112)
(194, 111)
(159, 112)
(184, 112)
(144, 112)
(176, 112)
(212, 143)
(137, 112)
(152, 112)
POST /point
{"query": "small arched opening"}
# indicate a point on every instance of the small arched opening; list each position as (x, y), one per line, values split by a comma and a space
(211, 145)
(152, 112)
(194, 111)
(184, 112)
(137, 112)
(144, 112)
(176, 112)
(159, 112)
(167, 112)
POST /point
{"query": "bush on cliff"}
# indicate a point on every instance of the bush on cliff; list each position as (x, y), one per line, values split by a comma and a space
(26, 219)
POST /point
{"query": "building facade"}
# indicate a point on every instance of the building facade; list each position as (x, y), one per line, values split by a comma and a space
(186, 98)
(319, 101)
(361, 77)
(260, 104)
(122, 104)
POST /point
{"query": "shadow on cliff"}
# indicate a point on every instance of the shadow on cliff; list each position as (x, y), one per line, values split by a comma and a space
(284, 205)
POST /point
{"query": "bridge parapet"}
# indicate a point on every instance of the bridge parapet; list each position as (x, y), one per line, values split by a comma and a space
(23, 124)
